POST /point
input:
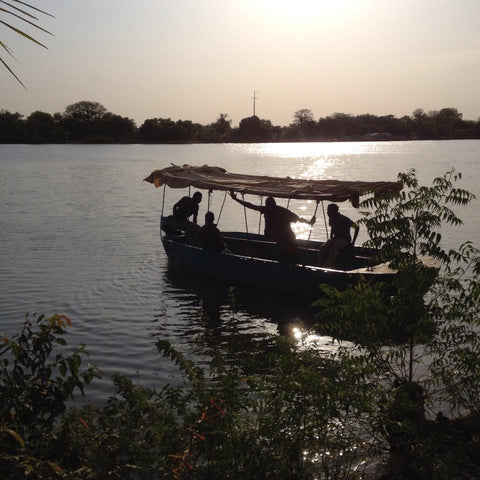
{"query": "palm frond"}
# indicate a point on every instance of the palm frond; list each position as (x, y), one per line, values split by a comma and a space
(34, 8)
(24, 20)
(18, 9)
(13, 73)
(23, 34)
(7, 49)
(8, 7)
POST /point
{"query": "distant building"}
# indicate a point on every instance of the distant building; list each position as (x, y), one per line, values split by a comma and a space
(377, 136)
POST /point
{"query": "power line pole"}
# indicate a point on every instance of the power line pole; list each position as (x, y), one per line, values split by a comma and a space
(254, 98)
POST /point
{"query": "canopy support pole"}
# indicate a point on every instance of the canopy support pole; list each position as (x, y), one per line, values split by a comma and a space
(288, 203)
(221, 209)
(325, 219)
(245, 212)
(189, 190)
(314, 214)
(260, 216)
(163, 197)
(208, 206)
(163, 206)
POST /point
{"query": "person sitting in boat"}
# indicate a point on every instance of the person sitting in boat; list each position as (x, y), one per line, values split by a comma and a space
(277, 225)
(209, 235)
(185, 208)
(339, 237)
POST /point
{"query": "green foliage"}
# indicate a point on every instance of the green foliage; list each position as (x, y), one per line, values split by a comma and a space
(298, 420)
(291, 422)
(133, 436)
(406, 225)
(35, 383)
(417, 339)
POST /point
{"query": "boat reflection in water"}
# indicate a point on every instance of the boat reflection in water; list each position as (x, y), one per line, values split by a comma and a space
(215, 312)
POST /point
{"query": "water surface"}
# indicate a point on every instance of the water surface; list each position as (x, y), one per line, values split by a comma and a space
(79, 234)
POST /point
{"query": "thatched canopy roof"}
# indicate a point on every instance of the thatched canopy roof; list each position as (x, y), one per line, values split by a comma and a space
(216, 178)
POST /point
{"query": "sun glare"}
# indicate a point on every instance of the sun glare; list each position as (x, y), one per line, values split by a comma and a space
(304, 10)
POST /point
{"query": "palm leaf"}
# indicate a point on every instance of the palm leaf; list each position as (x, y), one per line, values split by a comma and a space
(9, 8)
(24, 20)
(7, 49)
(13, 73)
(23, 34)
(18, 9)
(34, 8)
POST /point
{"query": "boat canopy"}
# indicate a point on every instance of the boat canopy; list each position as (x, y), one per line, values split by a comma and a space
(216, 178)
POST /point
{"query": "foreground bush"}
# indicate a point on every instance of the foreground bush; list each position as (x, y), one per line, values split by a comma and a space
(299, 420)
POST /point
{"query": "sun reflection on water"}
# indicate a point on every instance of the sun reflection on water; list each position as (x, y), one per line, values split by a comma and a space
(307, 339)
(311, 149)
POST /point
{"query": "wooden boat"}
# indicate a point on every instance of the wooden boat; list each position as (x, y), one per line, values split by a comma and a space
(251, 260)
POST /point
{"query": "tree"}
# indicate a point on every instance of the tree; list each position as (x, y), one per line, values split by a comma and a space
(423, 124)
(302, 117)
(338, 125)
(116, 128)
(304, 123)
(447, 119)
(253, 129)
(40, 127)
(90, 122)
(165, 130)
(84, 111)
(11, 127)
(222, 126)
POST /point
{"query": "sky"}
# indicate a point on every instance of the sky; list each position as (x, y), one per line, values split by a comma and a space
(195, 59)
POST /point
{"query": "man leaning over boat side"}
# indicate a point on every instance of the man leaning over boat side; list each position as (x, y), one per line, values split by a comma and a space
(185, 208)
(278, 225)
(340, 237)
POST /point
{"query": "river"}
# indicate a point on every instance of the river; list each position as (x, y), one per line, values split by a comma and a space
(79, 234)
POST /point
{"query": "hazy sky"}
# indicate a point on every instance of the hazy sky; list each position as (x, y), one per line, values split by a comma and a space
(195, 59)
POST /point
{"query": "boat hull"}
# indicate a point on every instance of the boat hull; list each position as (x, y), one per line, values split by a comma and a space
(260, 273)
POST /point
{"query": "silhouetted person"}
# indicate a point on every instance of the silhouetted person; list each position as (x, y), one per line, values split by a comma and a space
(277, 225)
(339, 237)
(210, 237)
(186, 207)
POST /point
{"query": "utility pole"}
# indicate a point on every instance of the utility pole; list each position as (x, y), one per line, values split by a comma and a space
(254, 98)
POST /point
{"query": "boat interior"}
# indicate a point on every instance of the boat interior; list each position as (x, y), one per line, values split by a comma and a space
(254, 246)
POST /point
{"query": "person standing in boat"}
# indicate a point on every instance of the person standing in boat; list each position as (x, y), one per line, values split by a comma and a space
(277, 225)
(340, 237)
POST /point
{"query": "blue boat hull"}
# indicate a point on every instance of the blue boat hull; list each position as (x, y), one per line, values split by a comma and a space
(261, 273)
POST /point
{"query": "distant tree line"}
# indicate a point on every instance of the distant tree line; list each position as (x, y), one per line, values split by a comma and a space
(90, 122)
